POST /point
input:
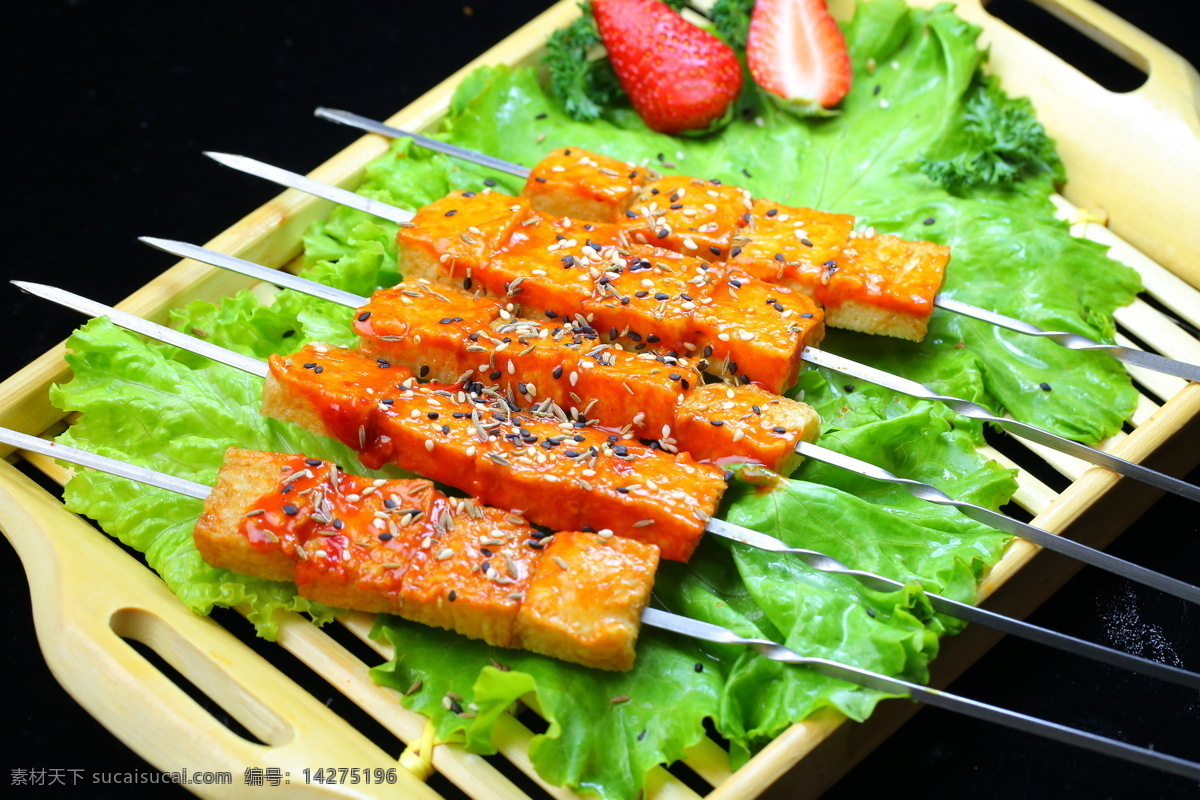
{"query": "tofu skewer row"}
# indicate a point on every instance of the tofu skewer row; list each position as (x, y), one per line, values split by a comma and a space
(582, 597)
(446, 335)
(866, 282)
(561, 479)
(806, 353)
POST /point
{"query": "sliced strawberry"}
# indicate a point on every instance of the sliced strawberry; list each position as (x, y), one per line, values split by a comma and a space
(677, 76)
(795, 50)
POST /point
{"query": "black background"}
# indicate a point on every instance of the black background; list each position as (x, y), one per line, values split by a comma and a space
(107, 107)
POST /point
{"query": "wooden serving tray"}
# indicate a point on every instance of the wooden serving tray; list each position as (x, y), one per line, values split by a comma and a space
(1134, 155)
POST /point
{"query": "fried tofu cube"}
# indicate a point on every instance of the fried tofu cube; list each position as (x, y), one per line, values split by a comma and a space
(753, 331)
(650, 300)
(885, 285)
(471, 572)
(245, 477)
(550, 263)
(665, 501)
(573, 182)
(725, 424)
(620, 386)
(789, 244)
(425, 327)
(586, 598)
(689, 215)
(285, 517)
(451, 239)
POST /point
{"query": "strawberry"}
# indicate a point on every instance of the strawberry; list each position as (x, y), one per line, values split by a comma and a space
(677, 76)
(795, 50)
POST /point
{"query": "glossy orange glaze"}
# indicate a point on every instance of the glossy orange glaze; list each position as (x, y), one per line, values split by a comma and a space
(563, 476)
(651, 300)
(723, 424)
(689, 215)
(572, 182)
(325, 521)
(888, 272)
(587, 598)
(459, 232)
(757, 331)
(790, 245)
(550, 263)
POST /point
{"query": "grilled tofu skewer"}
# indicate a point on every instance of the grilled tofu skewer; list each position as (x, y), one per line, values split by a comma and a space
(1073, 341)
(395, 434)
(541, 621)
(809, 354)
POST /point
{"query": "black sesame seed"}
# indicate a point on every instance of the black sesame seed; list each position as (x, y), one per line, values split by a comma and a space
(661, 296)
(424, 371)
(716, 423)
(778, 429)
(540, 180)
(452, 212)
(1045, 387)
(287, 488)
(337, 523)
(727, 475)
(642, 293)
(652, 338)
(663, 233)
(364, 316)
(588, 529)
(698, 668)
(432, 415)
(313, 462)
(772, 212)
(735, 252)
(557, 373)
(495, 375)
(318, 369)
(385, 537)
(488, 182)
(290, 509)
(929, 220)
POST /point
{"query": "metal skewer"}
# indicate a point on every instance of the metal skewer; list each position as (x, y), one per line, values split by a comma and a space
(1071, 341)
(821, 358)
(685, 626)
(812, 558)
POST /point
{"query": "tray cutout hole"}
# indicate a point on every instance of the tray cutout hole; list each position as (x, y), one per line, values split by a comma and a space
(1104, 60)
(193, 672)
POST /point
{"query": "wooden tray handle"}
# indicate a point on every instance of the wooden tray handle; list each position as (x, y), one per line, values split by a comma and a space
(1172, 82)
(83, 619)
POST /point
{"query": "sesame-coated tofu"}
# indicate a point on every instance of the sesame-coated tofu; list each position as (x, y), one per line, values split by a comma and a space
(382, 413)
(424, 327)
(665, 502)
(790, 245)
(753, 331)
(452, 238)
(586, 599)
(885, 285)
(471, 572)
(689, 215)
(725, 424)
(621, 387)
(651, 300)
(572, 182)
(286, 517)
(550, 263)
(245, 476)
